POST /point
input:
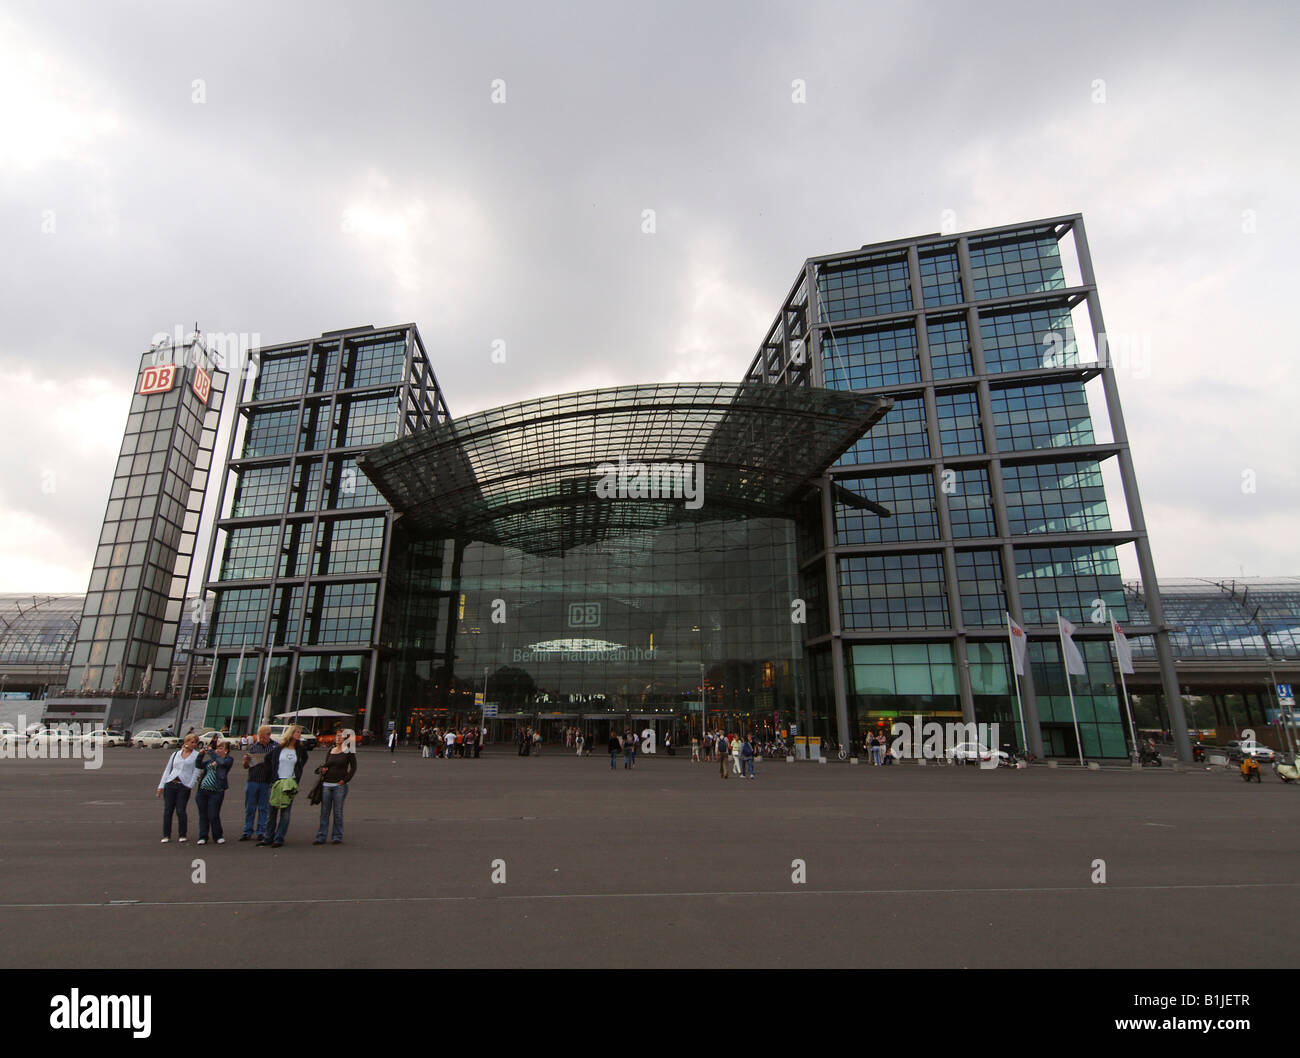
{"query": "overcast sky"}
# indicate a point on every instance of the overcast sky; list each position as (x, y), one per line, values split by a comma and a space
(280, 169)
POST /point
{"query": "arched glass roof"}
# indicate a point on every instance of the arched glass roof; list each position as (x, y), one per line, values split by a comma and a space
(550, 474)
(39, 630)
(1225, 617)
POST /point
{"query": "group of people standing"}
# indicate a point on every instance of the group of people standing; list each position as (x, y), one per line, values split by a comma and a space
(445, 743)
(625, 744)
(275, 770)
(876, 747)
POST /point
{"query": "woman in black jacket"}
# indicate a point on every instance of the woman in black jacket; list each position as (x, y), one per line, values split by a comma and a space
(284, 764)
(337, 771)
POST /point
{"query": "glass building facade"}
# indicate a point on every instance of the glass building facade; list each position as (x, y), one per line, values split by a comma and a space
(135, 601)
(990, 466)
(934, 464)
(296, 569)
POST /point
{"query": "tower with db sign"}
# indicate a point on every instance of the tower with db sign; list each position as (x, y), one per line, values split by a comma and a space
(136, 596)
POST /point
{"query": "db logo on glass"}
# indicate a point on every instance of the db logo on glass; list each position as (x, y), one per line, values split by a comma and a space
(202, 384)
(584, 614)
(157, 379)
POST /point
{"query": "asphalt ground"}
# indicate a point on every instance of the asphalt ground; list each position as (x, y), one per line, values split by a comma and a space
(665, 865)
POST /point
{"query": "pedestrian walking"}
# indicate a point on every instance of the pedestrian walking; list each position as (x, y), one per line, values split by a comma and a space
(615, 747)
(579, 741)
(695, 749)
(629, 747)
(720, 744)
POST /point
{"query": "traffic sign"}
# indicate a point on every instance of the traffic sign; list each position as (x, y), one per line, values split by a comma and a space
(1285, 695)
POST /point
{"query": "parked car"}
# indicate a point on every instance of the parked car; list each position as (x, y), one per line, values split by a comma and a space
(1241, 748)
(51, 737)
(154, 740)
(974, 752)
(307, 738)
(110, 736)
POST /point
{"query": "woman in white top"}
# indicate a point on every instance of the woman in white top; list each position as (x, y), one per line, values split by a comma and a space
(284, 763)
(178, 779)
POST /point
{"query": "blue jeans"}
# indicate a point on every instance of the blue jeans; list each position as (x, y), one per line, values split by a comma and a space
(332, 797)
(613, 758)
(747, 766)
(257, 800)
(209, 803)
(176, 798)
(277, 824)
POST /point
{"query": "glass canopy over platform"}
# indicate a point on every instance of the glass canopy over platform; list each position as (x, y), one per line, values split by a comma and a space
(548, 475)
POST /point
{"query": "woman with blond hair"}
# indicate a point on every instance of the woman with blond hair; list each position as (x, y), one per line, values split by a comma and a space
(335, 774)
(284, 764)
(178, 781)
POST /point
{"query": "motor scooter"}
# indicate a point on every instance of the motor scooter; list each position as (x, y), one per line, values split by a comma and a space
(1287, 772)
(1250, 769)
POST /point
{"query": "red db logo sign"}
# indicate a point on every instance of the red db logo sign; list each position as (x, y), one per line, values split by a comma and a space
(202, 384)
(157, 379)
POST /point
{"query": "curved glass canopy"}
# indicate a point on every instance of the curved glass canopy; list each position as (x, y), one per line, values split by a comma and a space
(551, 474)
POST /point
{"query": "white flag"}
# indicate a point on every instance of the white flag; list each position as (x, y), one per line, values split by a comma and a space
(1122, 650)
(1019, 646)
(1073, 659)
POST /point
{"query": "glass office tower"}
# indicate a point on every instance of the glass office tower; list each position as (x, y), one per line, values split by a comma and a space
(136, 596)
(991, 467)
(298, 559)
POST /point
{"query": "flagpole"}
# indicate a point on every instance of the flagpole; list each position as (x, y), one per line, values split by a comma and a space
(1060, 631)
(266, 684)
(1128, 706)
(239, 676)
(1015, 675)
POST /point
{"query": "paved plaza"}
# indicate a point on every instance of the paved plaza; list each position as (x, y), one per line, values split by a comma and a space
(665, 865)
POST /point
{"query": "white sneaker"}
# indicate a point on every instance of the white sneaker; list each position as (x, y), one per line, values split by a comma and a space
(201, 841)
(221, 841)
(182, 840)
(165, 840)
